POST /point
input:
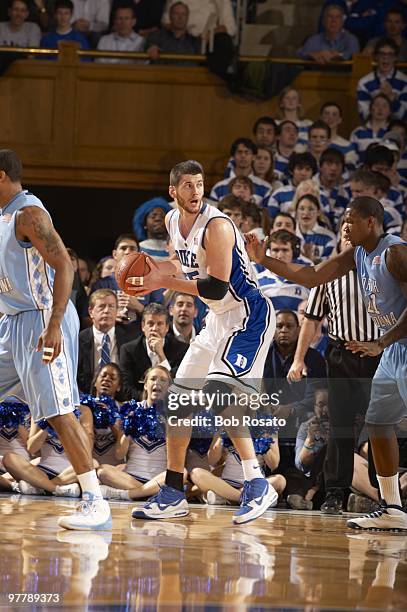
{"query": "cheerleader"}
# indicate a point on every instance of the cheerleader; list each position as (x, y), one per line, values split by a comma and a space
(229, 486)
(46, 476)
(14, 427)
(143, 441)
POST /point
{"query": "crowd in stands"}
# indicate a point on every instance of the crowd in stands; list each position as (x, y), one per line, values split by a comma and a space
(289, 182)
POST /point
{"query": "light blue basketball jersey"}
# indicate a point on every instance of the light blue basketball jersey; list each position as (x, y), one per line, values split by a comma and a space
(382, 294)
(26, 281)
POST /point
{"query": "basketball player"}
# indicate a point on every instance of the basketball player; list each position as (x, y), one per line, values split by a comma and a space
(210, 262)
(381, 264)
(39, 331)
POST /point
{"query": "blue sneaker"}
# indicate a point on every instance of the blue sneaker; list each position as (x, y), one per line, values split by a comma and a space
(257, 496)
(167, 503)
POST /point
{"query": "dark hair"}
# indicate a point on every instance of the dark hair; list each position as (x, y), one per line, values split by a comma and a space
(320, 125)
(302, 160)
(176, 4)
(125, 5)
(395, 11)
(386, 42)
(119, 373)
(178, 293)
(122, 237)
(64, 4)
(287, 311)
(367, 177)
(250, 209)
(187, 167)
(394, 123)
(23, 1)
(331, 103)
(232, 202)
(285, 236)
(241, 179)
(383, 183)
(284, 214)
(155, 309)
(332, 155)
(384, 97)
(266, 120)
(366, 206)
(311, 198)
(283, 123)
(10, 163)
(378, 154)
(247, 142)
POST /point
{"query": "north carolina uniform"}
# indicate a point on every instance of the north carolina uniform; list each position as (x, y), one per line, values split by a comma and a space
(26, 284)
(104, 447)
(53, 458)
(239, 328)
(385, 301)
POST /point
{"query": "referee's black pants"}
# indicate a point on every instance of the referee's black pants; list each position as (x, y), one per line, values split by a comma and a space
(349, 385)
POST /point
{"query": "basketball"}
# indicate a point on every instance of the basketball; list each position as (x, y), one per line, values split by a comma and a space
(133, 264)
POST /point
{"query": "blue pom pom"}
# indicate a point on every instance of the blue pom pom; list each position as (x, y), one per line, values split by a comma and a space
(104, 410)
(12, 414)
(139, 420)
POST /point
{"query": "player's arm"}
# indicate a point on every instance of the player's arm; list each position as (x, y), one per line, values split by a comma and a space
(35, 226)
(396, 261)
(308, 276)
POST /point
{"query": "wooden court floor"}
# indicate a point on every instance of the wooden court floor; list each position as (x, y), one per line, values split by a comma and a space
(286, 560)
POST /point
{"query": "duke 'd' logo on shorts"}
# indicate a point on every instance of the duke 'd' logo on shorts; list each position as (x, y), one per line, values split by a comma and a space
(241, 361)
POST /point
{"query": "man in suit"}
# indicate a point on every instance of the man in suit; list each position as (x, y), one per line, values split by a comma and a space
(155, 347)
(183, 311)
(100, 344)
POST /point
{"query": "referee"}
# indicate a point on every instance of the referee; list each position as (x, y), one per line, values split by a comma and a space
(349, 375)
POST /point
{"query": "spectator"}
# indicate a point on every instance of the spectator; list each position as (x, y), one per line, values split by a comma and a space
(100, 344)
(205, 19)
(79, 296)
(284, 221)
(302, 166)
(385, 79)
(183, 311)
(285, 246)
(149, 227)
(394, 26)
(381, 159)
(129, 306)
(91, 16)
(290, 108)
(287, 143)
(18, 32)
(317, 242)
(375, 127)
(319, 138)
(233, 208)
(331, 190)
(367, 17)
(175, 37)
(331, 114)
(253, 221)
(39, 12)
(64, 30)
(399, 128)
(243, 151)
(85, 271)
(155, 347)
(263, 167)
(242, 187)
(123, 37)
(148, 13)
(334, 43)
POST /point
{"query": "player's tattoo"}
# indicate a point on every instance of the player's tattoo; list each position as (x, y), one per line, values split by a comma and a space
(34, 219)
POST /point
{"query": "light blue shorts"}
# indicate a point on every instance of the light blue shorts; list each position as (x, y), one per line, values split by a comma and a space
(388, 400)
(49, 390)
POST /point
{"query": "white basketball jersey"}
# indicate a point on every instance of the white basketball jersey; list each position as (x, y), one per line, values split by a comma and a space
(192, 256)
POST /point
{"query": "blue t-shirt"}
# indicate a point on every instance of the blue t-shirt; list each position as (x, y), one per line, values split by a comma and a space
(52, 39)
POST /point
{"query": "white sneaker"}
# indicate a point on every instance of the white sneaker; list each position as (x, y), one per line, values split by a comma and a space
(71, 490)
(27, 489)
(213, 499)
(387, 518)
(90, 514)
(112, 493)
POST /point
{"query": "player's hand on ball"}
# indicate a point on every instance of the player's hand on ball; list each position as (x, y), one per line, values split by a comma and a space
(50, 342)
(255, 249)
(141, 285)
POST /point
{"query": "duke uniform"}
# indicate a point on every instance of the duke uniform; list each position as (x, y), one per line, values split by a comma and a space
(239, 328)
(26, 296)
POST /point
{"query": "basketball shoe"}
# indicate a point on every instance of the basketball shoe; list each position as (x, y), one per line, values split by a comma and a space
(386, 518)
(257, 496)
(91, 514)
(27, 489)
(167, 503)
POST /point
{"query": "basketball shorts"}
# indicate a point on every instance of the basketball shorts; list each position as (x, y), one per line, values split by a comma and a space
(49, 390)
(388, 400)
(231, 348)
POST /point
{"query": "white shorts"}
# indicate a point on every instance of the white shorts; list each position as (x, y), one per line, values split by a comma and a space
(232, 348)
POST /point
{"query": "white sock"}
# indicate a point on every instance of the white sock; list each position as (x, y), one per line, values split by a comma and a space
(386, 573)
(251, 469)
(389, 489)
(90, 484)
(122, 493)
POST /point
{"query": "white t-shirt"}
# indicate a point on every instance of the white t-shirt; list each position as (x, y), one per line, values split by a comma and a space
(29, 35)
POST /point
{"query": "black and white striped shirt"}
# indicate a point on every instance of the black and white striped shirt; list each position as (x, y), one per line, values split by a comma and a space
(342, 304)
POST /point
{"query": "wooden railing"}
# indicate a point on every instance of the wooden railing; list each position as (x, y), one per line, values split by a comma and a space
(124, 125)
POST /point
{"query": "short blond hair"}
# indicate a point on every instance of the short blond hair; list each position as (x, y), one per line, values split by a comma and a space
(99, 294)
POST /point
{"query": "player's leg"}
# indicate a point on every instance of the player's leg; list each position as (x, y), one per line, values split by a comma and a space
(170, 501)
(388, 406)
